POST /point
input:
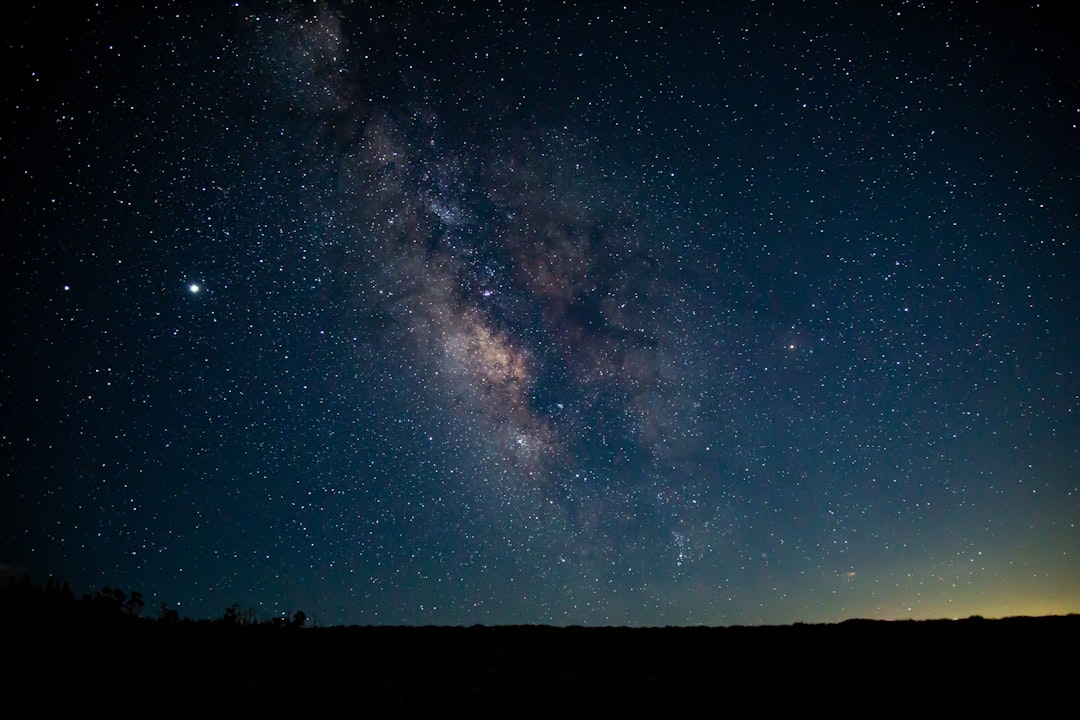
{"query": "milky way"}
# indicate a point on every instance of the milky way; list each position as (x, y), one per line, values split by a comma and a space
(598, 315)
(521, 284)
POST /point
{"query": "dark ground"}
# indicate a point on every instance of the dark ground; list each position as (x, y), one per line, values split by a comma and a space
(856, 667)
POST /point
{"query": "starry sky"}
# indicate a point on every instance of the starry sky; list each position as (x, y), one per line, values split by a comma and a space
(733, 313)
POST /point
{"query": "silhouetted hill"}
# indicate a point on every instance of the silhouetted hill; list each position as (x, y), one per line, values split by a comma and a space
(348, 670)
(98, 652)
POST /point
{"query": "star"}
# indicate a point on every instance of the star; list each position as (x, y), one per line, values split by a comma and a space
(194, 288)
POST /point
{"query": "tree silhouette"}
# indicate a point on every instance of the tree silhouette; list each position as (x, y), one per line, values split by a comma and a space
(135, 604)
(168, 615)
(109, 601)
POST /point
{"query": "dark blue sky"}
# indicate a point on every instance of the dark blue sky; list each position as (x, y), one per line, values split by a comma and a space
(737, 313)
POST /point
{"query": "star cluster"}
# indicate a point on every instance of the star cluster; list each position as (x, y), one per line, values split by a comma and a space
(419, 314)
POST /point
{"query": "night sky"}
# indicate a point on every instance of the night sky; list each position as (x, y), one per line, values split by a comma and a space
(667, 314)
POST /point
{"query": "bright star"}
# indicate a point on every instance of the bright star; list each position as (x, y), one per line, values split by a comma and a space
(194, 288)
